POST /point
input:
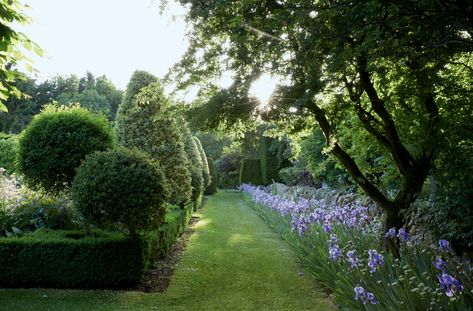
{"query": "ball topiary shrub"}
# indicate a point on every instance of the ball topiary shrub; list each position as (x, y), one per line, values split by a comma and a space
(123, 186)
(54, 144)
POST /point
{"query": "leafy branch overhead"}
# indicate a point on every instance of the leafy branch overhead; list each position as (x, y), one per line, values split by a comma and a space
(12, 46)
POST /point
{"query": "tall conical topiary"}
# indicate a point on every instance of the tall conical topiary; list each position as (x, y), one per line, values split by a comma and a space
(212, 188)
(195, 163)
(145, 122)
(205, 167)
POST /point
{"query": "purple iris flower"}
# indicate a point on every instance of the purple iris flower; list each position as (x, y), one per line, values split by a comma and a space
(439, 264)
(375, 259)
(444, 245)
(334, 251)
(449, 284)
(364, 296)
(352, 258)
(391, 233)
(327, 228)
(403, 235)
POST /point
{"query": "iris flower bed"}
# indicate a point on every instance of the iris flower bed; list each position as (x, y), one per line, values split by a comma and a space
(341, 247)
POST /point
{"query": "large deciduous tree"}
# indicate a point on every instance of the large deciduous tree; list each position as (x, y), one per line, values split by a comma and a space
(394, 70)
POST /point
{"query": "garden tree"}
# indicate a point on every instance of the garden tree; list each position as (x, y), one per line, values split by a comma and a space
(395, 69)
(205, 164)
(12, 48)
(106, 88)
(145, 121)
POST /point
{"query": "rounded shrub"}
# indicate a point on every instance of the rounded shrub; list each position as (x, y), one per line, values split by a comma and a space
(123, 186)
(54, 144)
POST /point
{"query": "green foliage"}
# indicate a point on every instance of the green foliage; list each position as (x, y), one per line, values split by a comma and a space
(101, 259)
(12, 49)
(8, 152)
(212, 188)
(250, 172)
(195, 162)
(46, 258)
(139, 79)
(212, 144)
(269, 161)
(228, 170)
(297, 175)
(37, 211)
(322, 167)
(90, 99)
(205, 164)
(145, 121)
(122, 186)
(56, 142)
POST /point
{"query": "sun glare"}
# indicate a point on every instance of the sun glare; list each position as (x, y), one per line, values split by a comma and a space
(263, 88)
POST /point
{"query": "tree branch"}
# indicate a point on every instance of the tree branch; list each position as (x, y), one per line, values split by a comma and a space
(401, 155)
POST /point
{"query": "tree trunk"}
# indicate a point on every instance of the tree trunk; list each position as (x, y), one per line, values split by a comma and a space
(392, 219)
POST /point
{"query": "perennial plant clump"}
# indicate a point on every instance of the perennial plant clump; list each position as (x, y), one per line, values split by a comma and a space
(340, 244)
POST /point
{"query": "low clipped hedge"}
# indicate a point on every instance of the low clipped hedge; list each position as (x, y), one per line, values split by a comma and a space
(70, 259)
(250, 172)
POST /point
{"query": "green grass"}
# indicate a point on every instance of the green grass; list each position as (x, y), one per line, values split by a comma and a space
(232, 262)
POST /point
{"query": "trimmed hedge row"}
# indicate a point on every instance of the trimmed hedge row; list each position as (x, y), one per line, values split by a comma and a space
(250, 172)
(69, 259)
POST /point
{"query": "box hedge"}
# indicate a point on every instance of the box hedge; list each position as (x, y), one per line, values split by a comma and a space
(250, 172)
(69, 259)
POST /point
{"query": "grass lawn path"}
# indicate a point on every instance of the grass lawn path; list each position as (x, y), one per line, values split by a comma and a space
(233, 261)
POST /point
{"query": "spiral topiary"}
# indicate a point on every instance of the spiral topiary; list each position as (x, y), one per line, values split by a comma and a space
(123, 186)
(54, 144)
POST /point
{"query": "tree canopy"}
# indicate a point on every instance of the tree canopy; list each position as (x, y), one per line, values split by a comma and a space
(393, 75)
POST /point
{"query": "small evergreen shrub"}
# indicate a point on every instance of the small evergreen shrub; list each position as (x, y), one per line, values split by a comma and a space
(205, 164)
(8, 152)
(212, 188)
(54, 144)
(122, 186)
(250, 172)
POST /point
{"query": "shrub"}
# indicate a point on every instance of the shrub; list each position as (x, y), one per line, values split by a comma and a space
(146, 123)
(205, 164)
(195, 163)
(8, 151)
(228, 170)
(69, 259)
(120, 186)
(55, 143)
(250, 172)
(212, 188)
(101, 259)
